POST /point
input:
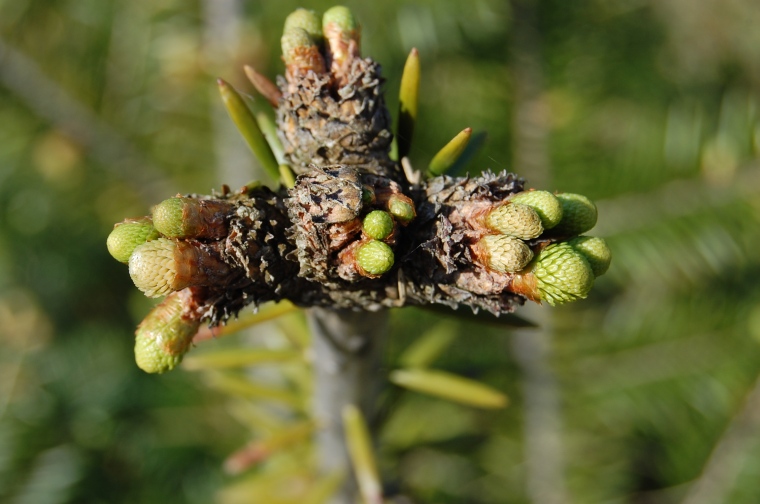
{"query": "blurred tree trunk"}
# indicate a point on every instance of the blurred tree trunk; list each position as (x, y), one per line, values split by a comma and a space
(348, 347)
(532, 347)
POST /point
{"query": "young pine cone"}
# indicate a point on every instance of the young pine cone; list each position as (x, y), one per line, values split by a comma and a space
(351, 231)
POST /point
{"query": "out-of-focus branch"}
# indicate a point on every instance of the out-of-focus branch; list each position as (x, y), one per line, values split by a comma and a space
(107, 146)
(221, 40)
(674, 199)
(724, 464)
(542, 421)
(347, 347)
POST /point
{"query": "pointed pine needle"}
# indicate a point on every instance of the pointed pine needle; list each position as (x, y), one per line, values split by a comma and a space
(240, 386)
(448, 155)
(238, 357)
(473, 148)
(264, 86)
(249, 128)
(429, 346)
(287, 176)
(262, 449)
(269, 129)
(325, 488)
(362, 457)
(449, 386)
(268, 312)
(408, 104)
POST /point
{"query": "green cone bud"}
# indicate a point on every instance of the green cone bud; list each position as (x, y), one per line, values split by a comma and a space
(306, 19)
(374, 258)
(153, 268)
(546, 205)
(340, 18)
(562, 274)
(401, 208)
(161, 266)
(515, 219)
(578, 214)
(340, 29)
(378, 224)
(167, 217)
(164, 336)
(191, 218)
(596, 252)
(127, 235)
(292, 42)
(505, 254)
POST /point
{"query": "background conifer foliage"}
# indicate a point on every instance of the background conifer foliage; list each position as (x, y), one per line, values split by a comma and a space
(646, 391)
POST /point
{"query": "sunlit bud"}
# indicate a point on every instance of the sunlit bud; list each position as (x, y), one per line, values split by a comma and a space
(546, 205)
(165, 335)
(306, 19)
(300, 51)
(339, 28)
(515, 219)
(505, 254)
(374, 258)
(161, 266)
(578, 214)
(194, 218)
(596, 252)
(378, 224)
(401, 208)
(559, 274)
(129, 234)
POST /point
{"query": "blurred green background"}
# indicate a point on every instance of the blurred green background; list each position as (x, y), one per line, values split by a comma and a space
(647, 392)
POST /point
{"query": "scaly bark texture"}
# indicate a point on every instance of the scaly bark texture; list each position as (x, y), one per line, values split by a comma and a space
(456, 241)
(299, 245)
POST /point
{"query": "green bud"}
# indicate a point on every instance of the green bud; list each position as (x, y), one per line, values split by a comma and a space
(161, 266)
(374, 258)
(546, 205)
(378, 224)
(164, 336)
(515, 219)
(562, 274)
(596, 252)
(341, 34)
(505, 254)
(578, 214)
(167, 217)
(401, 208)
(191, 218)
(306, 19)
(153, 268)
(338, 17)
(292, 41)
(127, 235)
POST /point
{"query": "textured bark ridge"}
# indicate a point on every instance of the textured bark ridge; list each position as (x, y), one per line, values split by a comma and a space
(328, 121)
(299, 245)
